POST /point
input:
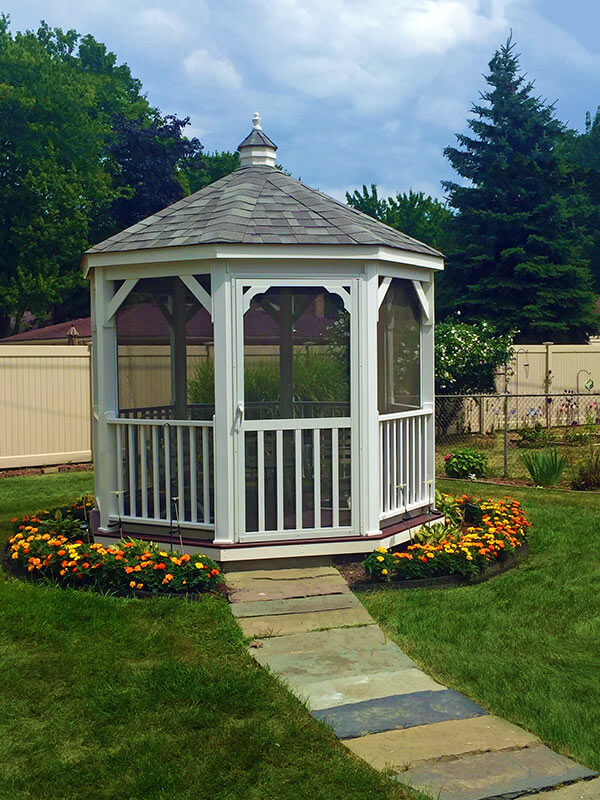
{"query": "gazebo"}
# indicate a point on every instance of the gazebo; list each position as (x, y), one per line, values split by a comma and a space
(263, 373)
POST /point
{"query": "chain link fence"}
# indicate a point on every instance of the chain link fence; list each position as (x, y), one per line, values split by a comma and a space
(505, 426)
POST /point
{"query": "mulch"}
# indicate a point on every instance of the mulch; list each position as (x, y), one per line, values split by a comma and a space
(26, 471)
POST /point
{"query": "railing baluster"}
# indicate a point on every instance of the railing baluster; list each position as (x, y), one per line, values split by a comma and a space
(260, 465)
(131, 464)
(393, 470)
(335, 478)
(167, 443)
(298, 476)
(414, 461)
(155, 473)
(120, 500)
(193, 476)
(317, 476)
(143, 471)
(206, 475)
(279, 473)
(180, 475)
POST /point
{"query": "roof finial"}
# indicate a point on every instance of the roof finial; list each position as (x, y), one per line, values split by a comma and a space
(257, 149)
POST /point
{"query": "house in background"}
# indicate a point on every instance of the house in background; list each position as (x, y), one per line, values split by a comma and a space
(297, 418)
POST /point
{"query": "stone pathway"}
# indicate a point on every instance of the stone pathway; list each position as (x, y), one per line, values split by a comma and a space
(311, 631)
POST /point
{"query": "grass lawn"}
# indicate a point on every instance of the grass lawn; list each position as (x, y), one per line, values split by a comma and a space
(526, 645)
(125, 699)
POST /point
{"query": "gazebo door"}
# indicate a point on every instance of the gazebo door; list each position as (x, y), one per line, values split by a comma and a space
(294, 432)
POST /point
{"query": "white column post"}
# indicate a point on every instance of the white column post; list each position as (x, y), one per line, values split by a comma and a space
(369, 413)
(428, 381)
(106, 397)
(224, 353)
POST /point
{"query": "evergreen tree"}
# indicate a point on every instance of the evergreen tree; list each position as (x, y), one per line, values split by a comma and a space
(521, 216)
(583, 150)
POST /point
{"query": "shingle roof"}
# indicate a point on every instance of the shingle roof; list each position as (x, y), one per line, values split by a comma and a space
(258, 205)
(257, 137)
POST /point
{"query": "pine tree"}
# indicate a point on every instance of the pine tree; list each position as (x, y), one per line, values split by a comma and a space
(520, 216)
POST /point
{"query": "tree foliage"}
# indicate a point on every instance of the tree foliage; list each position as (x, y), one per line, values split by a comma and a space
(83, 155)
(414, 213)
(521, 216)
(206, 168)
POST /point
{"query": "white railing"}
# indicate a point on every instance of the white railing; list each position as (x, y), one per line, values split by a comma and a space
(406, 480)
(297, 476)
(165, 471)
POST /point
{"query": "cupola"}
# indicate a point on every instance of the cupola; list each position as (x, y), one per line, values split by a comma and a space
(257, 148)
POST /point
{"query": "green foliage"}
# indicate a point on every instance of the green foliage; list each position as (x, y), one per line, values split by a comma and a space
(578, 436)
(465, 462)
(416, 214)
(206, 168)
(535, 436)
(521, 217)
(318, 377)
(468, 356)
(545, 467)
(587, 474)
(69, 519)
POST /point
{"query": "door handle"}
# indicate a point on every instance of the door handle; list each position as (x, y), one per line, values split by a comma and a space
(239, 416)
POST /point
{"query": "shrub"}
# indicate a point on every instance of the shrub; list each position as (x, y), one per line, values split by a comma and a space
(535, 436)
(465, 462)
(464, 550)
(125, 568)
(318, 377)
(545, 467)
(578, 436)
(587, 474)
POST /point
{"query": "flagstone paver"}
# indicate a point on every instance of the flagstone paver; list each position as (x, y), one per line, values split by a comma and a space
(398, 711)
(360, 682)
(296, 605)
(401, 748)
(356, 688)
(501, 775)
(282, 624)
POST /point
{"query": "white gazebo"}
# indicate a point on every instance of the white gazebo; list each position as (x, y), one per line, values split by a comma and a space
(263, 372)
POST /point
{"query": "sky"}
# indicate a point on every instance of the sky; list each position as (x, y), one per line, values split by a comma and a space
(352, 91)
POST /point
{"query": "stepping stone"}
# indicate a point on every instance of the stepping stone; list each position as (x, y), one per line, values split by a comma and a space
(399, 748)
(582, 790)
(266, 589)
(282, 624)
(355, 688)
(303, 658)
(398, 711)
(497, 775)
(296, 605)
(243, 577)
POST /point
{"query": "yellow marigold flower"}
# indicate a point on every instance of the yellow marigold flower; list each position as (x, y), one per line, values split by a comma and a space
(199, 565)
(379, 558)
(384, 572)
(131, 584)
(139, 585)
(163, 553)
(381, 550)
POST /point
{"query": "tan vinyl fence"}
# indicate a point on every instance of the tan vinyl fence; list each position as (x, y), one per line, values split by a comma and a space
(553, 368)
(45, 409)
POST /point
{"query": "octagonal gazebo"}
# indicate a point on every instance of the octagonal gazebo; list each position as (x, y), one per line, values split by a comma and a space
(263, 372)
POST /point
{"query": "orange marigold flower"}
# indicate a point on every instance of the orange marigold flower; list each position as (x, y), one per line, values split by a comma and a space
(214, 572)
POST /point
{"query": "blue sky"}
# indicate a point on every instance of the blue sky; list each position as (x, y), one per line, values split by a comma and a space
(352, 91)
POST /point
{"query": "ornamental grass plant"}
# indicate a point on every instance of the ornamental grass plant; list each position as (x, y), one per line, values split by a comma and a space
(545, 467)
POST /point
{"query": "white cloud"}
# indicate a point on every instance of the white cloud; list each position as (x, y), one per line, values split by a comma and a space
(159, 24)
(210, 68)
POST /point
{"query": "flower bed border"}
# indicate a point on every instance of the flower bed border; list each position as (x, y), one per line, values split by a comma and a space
(510, 562)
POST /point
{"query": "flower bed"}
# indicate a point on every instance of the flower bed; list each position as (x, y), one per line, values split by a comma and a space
(477, 534)
(55, 546)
